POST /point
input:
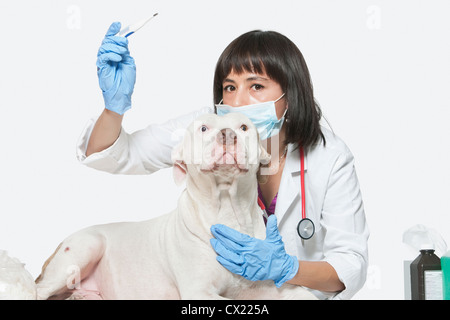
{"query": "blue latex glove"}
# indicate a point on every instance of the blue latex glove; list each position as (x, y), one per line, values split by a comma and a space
(252, 258)
(116, 71)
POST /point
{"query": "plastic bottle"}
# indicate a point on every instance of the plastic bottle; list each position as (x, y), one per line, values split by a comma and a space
(426, 275)
(445, 264)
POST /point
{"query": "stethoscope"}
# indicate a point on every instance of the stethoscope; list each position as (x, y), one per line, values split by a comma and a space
(305, 227)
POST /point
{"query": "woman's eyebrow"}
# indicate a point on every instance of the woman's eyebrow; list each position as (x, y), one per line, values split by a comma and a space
(253, 78)
(257, 78)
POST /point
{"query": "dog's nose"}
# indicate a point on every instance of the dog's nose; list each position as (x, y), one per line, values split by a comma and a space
(226, 136)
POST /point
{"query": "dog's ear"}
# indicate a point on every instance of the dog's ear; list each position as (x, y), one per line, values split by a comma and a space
(179, 166)
(264, 160)
(179, 172)
(264, 156)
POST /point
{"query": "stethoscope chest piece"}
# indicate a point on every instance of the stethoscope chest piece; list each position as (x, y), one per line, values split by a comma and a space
(305, 229)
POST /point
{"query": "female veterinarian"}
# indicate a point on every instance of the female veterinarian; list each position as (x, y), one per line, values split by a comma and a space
(263, 75)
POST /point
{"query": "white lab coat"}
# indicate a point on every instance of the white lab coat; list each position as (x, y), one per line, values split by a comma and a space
(333, 197)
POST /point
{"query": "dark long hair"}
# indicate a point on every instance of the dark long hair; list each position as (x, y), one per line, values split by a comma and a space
(274, 54)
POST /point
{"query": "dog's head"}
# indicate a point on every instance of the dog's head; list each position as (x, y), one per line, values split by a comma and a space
(225, 147)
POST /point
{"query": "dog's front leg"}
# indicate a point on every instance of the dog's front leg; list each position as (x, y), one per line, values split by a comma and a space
(208, 282)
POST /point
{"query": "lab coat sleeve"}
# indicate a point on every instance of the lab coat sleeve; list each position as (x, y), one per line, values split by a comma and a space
(345, 243)
(142, 152)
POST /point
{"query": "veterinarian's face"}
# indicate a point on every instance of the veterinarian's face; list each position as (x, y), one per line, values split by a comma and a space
(250, 88)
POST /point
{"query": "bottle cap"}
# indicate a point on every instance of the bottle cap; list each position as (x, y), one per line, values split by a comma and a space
(427, 246)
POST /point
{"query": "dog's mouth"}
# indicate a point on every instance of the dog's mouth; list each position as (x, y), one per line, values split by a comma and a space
(226, 161)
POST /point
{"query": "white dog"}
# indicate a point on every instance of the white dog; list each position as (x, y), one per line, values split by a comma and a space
(170, 257)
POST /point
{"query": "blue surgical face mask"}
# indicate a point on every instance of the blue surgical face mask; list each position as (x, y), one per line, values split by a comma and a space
(263, 115)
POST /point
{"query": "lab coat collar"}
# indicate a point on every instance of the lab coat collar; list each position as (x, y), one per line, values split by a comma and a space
(290, 182)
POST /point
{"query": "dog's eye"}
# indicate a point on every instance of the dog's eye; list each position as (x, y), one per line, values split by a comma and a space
(244, 127)
(204, 128)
